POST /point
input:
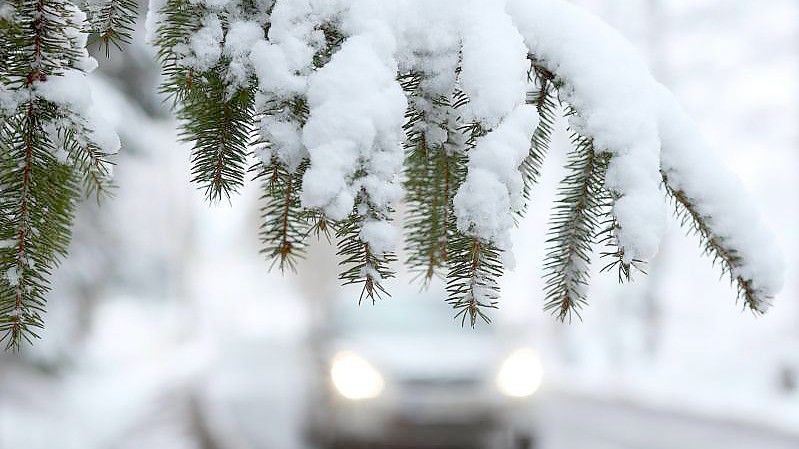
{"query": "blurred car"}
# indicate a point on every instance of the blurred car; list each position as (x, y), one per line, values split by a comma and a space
(403, 373)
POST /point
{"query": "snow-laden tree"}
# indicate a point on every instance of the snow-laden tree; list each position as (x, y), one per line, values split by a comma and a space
(349, 106)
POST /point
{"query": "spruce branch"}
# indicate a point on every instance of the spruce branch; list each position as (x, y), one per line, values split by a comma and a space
(37, 198)
(111, 21)
(179, 19)
(429, 181)
(47, 157)
(216, 122)
(88, 158)
(430, 187)
(574, 224)
(319, 225)
(201, 59)
(475, 266)
(721, 253)
(360, 263)
(424, 236)
(285, 224)
(614, 252)
(545, 99)
(220, 127)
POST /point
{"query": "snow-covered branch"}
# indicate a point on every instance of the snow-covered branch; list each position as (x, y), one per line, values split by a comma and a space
(349, 103)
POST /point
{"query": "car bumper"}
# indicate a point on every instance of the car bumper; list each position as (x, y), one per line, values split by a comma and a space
(424, 420)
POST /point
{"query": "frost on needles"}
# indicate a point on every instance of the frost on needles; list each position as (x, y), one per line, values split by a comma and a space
(350, 113)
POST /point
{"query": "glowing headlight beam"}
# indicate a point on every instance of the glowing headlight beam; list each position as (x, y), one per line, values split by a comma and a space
(354, 377)
(520, 374)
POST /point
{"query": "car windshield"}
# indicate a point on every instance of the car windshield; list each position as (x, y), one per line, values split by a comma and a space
(403, 314)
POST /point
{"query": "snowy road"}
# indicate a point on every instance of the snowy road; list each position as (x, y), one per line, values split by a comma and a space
(570, 422)
(273, 387)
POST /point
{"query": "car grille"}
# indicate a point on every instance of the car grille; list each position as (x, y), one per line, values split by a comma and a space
(453, 383)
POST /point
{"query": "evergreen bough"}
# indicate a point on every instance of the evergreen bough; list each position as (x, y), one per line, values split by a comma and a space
(49, 160)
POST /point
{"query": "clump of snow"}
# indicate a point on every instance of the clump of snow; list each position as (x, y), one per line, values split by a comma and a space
(12, 276)
(494, 63)
(239, 41)
(430, 42)
(482, 205)
(205, 45)
(285, 139)
(71, 90)
(356, 114)
(381, 236)
(283, 65)
(79, 38)
(431, 49)
(284, 62)
(10, 99)
(492, 192)
(612, 90)
(277, 71)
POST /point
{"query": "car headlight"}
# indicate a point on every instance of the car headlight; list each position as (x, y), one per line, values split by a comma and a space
(520, 374)
(354, 377)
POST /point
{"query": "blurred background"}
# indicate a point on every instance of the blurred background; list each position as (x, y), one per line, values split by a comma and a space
(166, 330)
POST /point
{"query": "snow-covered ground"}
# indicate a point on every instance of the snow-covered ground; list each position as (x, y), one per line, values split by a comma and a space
(578, 422)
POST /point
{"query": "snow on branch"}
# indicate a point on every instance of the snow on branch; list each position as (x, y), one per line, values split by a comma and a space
(612, 93)
(630, 115)
(356, 114)
(492, 191)
(493, 64)
(715, 205)
(336, 82)
(54, 148)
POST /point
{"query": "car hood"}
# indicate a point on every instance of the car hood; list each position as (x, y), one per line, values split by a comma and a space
(427, 356)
